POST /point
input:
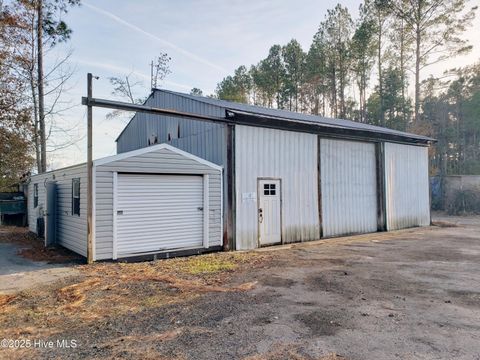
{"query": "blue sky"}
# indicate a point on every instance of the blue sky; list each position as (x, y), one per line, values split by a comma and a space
(207, 40)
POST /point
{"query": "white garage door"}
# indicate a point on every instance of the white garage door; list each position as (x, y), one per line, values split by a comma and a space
(158, 212)
(349, 187)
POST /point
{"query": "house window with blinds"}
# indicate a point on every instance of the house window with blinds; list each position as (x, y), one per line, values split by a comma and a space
(35, 195)
(76, 197)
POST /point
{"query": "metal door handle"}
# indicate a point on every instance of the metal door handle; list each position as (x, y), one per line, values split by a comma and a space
(260, 215)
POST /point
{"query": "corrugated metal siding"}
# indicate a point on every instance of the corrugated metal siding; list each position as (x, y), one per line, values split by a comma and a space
(159, 212)
(204, 139)
(407, 188)
(158, 162)
(287, 155)
(348, 182)
(71, 229)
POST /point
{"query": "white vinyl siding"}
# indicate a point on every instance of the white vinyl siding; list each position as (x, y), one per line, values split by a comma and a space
(158, 213)
(349, 187)
(159, 162)
(407, 187)
(71, 230)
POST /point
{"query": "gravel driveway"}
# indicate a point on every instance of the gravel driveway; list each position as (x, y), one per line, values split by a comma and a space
(18, 272)
(411, 294)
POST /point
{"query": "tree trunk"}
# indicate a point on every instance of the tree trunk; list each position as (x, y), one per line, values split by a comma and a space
(41, 94)
(417, 65)
(342, 85)
(363, 95)
(31, 74)
(334, 92)
(380, 80)
(35, 123)
(323, 104)
(402, 73)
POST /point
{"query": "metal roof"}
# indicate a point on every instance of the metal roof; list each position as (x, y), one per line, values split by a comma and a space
(295, 117)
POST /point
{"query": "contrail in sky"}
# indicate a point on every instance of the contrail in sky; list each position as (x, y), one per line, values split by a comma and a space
(155, 37)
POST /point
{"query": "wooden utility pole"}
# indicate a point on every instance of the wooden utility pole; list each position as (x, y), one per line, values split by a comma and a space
(41, 91)
(89, 173)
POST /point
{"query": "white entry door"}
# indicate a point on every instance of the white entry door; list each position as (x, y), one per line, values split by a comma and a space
(269, 212)
(158, 212)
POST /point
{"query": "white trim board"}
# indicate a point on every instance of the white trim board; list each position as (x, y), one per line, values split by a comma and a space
(221, 208)
(156, 147)
(114, 225)
(94, 213)
(206, 211)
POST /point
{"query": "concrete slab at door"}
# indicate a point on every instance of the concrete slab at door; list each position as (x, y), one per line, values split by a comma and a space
(269, 212)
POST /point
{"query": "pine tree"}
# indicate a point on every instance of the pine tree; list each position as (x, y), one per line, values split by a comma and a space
(436, 27)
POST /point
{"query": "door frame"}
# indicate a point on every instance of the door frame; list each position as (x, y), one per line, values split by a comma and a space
(50, 217)
(281, 209)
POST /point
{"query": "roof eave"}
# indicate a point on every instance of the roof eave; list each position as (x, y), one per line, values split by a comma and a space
(251, 119)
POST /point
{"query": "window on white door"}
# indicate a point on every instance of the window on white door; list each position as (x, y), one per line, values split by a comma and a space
(269, 189)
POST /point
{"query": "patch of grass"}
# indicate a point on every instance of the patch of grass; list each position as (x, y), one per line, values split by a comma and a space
(205, 265)
(210, 264)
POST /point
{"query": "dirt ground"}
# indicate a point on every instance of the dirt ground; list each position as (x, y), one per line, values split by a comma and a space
(412, 294)
(25, 262)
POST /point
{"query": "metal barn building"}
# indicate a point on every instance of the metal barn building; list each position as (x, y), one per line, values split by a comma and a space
(291, 177)
(236, 177)
(146, 201)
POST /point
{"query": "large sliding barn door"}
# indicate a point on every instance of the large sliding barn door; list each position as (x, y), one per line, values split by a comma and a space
(348, 184)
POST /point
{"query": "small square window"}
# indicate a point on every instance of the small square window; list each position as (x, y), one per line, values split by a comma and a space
(270, 189)
(35, 195)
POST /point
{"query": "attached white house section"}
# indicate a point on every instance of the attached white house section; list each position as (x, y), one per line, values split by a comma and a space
(151, 200)
(349, 187)
(71, 214)
(276, 169)
(407, 186)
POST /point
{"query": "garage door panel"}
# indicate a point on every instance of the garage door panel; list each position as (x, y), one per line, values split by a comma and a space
(171, 218)
(146, 232)
(407, 186)
(348, 184)
(158, 212)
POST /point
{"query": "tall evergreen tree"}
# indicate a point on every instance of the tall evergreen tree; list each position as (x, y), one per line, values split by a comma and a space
(363, 57)
(294, 60)
(436, 27)
(236, 88)
(334, 37)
